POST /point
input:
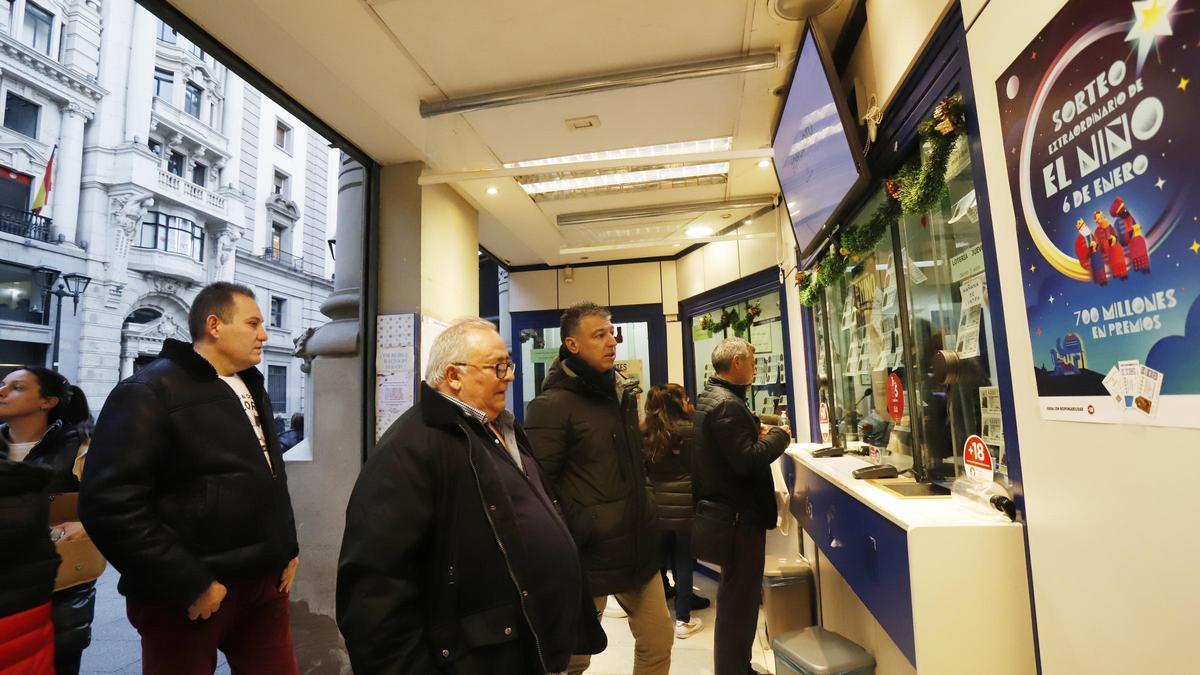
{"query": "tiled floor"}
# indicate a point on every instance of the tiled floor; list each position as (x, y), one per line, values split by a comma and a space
(116, 648)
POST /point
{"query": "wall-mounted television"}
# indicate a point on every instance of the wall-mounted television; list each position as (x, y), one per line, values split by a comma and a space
(818, 156)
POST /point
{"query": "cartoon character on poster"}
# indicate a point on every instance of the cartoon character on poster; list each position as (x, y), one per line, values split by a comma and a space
(1100, 133)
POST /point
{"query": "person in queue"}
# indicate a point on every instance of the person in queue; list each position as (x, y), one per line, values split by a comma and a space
(46, 423)
(455, 556)
(585, 435)
(185, 493)
(668, 447)
(732, 467)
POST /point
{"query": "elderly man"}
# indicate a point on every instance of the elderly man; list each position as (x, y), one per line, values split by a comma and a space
(584, 428)
(455, 557)
(732, 468)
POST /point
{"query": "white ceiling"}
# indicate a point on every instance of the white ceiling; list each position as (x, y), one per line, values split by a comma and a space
(363, 66)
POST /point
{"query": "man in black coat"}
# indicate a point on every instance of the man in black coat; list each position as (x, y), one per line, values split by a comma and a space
(455, 557)
(732, 467)
(184, 492)
(584, 431)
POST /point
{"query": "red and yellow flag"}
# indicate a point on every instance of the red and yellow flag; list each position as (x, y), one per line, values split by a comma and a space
(43, 192)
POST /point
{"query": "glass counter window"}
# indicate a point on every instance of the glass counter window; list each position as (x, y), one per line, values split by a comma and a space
(910, 370)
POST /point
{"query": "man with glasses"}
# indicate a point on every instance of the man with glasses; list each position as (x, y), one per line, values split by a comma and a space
(584, 429)
(455, 556)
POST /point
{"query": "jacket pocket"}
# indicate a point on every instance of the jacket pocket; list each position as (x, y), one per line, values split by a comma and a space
(481, 629)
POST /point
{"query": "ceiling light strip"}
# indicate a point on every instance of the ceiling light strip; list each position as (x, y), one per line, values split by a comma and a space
(682, 148)
(626, 178)
(598, 83)
(630, 163)
(663, 242)
(610, 215)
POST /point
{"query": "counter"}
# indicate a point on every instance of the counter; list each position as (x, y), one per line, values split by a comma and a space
(947, 583)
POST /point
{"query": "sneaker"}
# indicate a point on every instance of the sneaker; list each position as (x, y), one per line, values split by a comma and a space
(614, 610)
(684, 630)
(700, 602)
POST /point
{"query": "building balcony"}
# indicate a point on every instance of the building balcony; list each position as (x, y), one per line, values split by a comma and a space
(168, 120)
(27, 224)
(294, 263)
(190, 191)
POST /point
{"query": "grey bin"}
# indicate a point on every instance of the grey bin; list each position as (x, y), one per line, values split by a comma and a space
(816, 651)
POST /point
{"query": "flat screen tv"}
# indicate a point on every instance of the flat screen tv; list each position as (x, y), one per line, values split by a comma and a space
(817, 153)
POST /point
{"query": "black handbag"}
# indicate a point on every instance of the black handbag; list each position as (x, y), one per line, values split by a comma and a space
(712, 532)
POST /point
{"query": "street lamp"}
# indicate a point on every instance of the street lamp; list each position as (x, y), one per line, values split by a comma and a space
(71, 285)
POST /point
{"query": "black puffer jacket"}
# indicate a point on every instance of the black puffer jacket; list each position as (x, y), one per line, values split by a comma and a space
(432, 554)
(176, 492)
(28, 562)
(671, 476)
(733, 465)
(584, 431)
(73, 607)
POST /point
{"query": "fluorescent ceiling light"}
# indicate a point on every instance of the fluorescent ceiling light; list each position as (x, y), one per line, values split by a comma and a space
(627, 178)
(698, 231)
(764, 163)
(682, 148)
(492, 190)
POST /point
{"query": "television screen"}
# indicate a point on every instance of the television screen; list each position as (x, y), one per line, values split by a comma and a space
(816, 157)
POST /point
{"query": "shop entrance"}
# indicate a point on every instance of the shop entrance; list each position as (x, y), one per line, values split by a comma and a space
(641, 351)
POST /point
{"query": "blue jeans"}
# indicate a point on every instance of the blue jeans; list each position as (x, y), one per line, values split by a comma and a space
(677, 555)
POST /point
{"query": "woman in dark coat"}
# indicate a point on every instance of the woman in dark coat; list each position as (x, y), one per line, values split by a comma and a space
(667, 445)
(46, 423)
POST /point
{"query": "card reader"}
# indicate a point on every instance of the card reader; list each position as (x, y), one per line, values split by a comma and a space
(877, 471)
(828, 451)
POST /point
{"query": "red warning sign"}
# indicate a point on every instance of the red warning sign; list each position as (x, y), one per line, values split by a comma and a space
(895, 398)
(977, 460)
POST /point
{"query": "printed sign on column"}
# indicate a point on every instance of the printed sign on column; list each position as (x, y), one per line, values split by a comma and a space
(1098, 115)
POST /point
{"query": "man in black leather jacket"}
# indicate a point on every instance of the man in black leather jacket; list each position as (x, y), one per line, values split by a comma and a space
(184, 492)
(733, 467)
(455, 557)
(585, 435)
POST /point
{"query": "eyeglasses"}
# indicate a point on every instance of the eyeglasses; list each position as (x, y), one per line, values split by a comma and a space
(501, 369)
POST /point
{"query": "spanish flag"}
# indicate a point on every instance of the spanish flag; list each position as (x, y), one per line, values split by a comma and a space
(43, 192)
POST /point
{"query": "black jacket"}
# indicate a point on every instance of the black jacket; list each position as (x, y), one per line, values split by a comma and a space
(73, 607)
(28, 562)
(585, 435)
(671, 476)
(176, 492)
(733, 465)
(433, 573)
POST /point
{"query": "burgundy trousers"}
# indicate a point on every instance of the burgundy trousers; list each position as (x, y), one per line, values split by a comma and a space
(251, 628)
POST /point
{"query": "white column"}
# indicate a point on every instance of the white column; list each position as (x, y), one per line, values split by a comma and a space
(231, 126)
(68, 171)
(139, 93)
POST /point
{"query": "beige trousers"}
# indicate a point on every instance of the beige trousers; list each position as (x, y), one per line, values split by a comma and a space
(650, 623)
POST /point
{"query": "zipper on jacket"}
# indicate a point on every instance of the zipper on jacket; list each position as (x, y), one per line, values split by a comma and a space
(537, 643)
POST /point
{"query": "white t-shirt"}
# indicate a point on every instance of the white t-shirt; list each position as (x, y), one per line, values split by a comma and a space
(239, 387)
(17, 452)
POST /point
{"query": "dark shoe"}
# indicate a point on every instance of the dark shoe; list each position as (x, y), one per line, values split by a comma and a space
(699, 602)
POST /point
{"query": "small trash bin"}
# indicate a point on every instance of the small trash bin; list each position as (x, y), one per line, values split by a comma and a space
(787, 595)
(816, 651)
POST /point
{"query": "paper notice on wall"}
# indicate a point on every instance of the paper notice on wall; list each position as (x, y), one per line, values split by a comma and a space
(967, 345)
(1114, 382)
(396, 391)
(395, 356)
(973, 290)
(391, 359)
(1131, 376)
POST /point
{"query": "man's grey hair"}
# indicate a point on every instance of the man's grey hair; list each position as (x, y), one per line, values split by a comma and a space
(722, 355)
(453, 346)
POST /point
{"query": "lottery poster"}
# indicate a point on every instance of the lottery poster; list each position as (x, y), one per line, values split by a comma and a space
(1099, 120)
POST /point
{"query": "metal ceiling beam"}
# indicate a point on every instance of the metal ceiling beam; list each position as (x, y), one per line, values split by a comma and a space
(630, 162)
(597, 83)
(688, 241)
(610, 215)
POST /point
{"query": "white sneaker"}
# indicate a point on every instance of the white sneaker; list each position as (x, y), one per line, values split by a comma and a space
(684, 630)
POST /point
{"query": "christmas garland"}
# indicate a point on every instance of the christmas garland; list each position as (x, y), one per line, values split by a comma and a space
(731, 319)
(915, 189)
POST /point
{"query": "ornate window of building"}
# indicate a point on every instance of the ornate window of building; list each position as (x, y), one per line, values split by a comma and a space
(155, 146)
(167, 34)
(283, 136)
(277, 388)
(172, 234)
(277, 311)
(282, 185)
(164, 82)
(200, 175)
(21, 115)
(175, 164)
(192, 96)
(38, 25)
